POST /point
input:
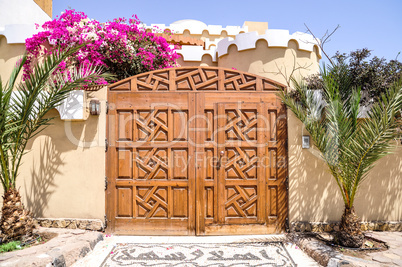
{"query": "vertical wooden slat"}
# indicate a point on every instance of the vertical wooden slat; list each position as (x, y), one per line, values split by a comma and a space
(110, 162)
(221, 80)
(215, 170)
(199, 137)
(221, 171)
(171, 203)
(259, 84)
(191, 163)
(261, 140)
(133, 84)
(172, 80)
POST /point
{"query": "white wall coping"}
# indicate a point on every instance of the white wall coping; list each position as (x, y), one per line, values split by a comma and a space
(18, 18)
(197, 27)
(71, 108)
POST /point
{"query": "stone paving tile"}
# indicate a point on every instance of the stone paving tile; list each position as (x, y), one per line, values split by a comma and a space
(397, 262)
(392, 256)
(63, 250)
(382, 259)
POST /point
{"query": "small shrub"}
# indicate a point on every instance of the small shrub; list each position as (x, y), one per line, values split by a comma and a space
(10, 246)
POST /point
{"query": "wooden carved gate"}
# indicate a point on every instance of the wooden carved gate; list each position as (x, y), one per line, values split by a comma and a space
(196, 150)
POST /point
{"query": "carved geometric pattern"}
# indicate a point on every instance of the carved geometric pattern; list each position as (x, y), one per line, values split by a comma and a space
(241, 163)
(241, 201)
(235, 81)
(197, 79)
(152, 163)
(153, 81)
(152, 125)
(241, 125)
(152, 202)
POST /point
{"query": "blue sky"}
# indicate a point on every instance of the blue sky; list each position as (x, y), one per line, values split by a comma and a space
(374, 24)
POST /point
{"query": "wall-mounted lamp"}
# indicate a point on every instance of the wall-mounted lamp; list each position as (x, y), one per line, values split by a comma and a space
(305, 141)
(94, 107)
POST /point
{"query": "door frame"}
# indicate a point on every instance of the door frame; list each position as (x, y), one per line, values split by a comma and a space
(225, 80)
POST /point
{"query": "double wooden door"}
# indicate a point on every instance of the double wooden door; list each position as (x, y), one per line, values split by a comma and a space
(205, 163)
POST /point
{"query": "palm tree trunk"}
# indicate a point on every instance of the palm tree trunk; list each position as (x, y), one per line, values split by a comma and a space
(16, 222)
(350, 234)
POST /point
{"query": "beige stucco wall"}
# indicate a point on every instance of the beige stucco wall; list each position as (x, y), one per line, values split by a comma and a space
(9, 55)
(314, 195)
(62, 175)
(63, 172)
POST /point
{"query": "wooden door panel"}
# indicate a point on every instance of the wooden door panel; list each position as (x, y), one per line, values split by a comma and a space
(240, 145)
(243, 191)
(167, 173)
(153, 187)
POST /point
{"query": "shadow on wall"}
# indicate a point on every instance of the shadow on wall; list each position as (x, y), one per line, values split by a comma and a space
(42, 186)
(70, 135)
(380, 195)
(313, 193)
(9, 51)
(46, 159)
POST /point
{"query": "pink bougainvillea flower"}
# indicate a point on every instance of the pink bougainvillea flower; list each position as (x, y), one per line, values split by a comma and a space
(122, 47)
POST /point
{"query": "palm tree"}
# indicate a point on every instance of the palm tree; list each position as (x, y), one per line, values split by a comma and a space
(23, 108)
(349, 145)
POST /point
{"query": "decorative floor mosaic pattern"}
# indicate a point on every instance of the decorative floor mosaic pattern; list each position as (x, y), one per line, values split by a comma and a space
(215, 255)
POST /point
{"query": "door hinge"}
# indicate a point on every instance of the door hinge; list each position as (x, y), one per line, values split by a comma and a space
(287, 183)
(105, 223)
(106, 182)
(287, 229)
(107, 107)
(106, 145)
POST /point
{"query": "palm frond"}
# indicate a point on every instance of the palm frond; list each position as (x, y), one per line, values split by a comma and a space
(25, 108)
(349, 145)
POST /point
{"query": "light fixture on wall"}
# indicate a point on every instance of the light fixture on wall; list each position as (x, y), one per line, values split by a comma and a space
(94, 107)
(305, 141)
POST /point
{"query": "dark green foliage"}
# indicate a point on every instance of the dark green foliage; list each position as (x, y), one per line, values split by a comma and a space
(374, 75)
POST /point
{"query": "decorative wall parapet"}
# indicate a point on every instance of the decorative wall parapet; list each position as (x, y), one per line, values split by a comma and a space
(84, 224)
(246, 41)
(274, 38)
(198, 27)
(334, 226)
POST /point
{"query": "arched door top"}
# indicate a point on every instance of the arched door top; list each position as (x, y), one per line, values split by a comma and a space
(196, 79)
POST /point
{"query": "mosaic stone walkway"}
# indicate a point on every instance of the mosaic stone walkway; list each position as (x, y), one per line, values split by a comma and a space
(233, 254)
(180, 251)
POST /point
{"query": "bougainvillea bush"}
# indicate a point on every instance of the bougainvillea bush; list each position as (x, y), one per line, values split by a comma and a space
(121, 46)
